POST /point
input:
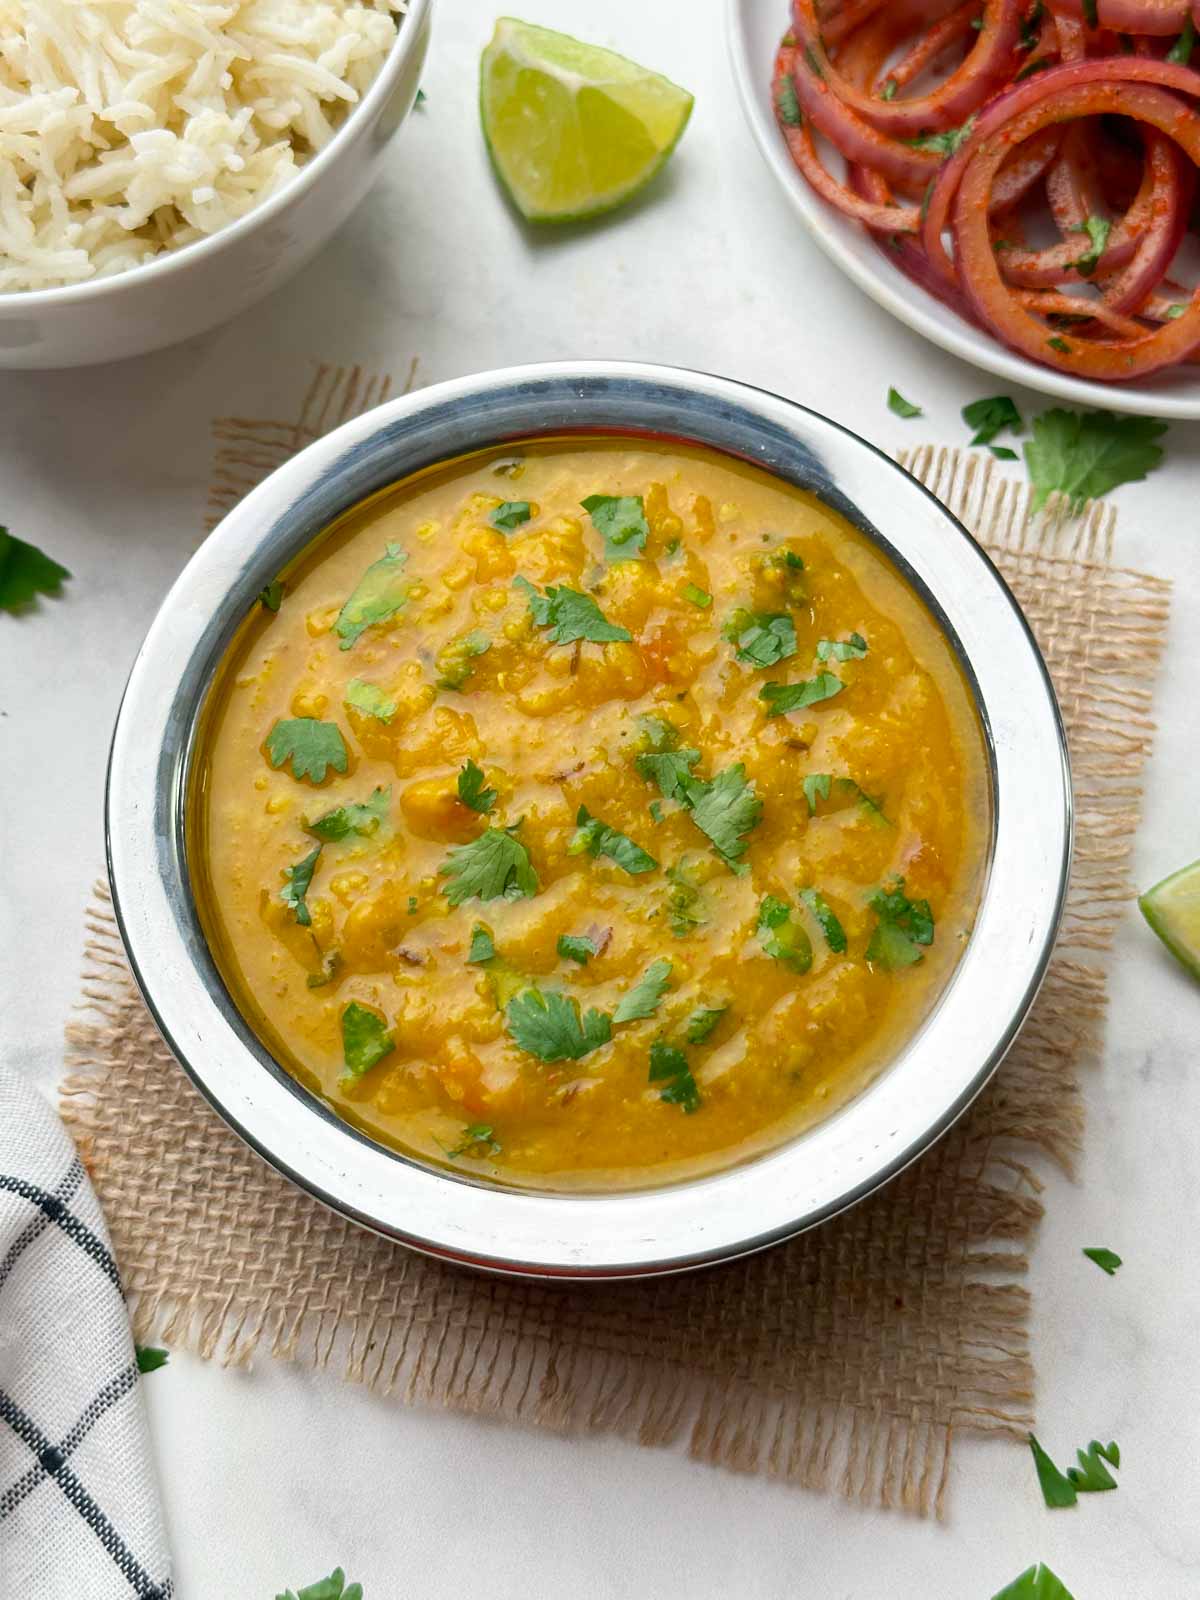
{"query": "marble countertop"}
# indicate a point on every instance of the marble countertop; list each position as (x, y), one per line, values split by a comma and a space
(272, 1476)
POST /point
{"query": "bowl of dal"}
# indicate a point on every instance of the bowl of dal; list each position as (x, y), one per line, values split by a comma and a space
(589, 820)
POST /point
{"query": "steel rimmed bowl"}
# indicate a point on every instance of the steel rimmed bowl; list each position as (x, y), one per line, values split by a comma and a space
(733, 1212)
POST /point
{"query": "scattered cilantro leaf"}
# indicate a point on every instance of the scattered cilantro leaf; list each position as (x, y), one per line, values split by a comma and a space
(781, 938)
(495, 866)
(483, 945)
(811, 62)
(945, 143)
(311, 746)
(576, 947)
(549, 1026)
(642, 1000)
(888, 92)
(669, 769)
(330, 963)
(851, 649)
(376, 597)
(784, 697)
(867, 802)
(991, 416)
(1035, 1583)
(471, 790)
(369, 700)
(150, 1357)
(835, 934)
(299, 876)
(1057, 1489)
(1085, 454)
(702, 1023)
(476, 1133)
(1063, 348)
(598, 839)
(365, 1039)
(787, 570)
(421, 98)
(456, 659)
(620, 519)
(334, 1587)
(1090, 14)
(1003, 453)
(816, 787)
(570, 615)
(1107, 1260)
(786, 104)
(656, 811)
(1092, 1476)
(697, 596)
(903, 925)
(511, 514)
(725, 808)
(1173, 312)
(270, 597)
(1097, 230)
(1031, 26)
(361, 819)
(656, 733)
(1181, 50)
(26, 572)
(684, 913)
(902, 407)
(761, 638)
(669, 1065)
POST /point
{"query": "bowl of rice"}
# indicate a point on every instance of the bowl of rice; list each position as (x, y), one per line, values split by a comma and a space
(164, 164)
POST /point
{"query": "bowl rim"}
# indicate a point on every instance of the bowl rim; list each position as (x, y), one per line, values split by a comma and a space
(408, 32)
(883, 284)
(522, 1233)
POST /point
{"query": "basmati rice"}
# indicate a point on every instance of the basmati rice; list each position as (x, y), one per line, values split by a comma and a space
(130, 127)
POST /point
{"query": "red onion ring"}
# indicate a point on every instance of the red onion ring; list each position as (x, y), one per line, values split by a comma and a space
(1161, 18)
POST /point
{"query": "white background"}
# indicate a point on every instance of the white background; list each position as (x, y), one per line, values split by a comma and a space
(273, 1476)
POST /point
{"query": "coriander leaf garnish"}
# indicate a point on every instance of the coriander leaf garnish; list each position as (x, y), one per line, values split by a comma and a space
(570, 615)
(683, 906)
(902, 407)
(816, 787)
(697, 596)
(781, 938)
(1107, 1260)
(1057, 1489)
(903, 925)
(702, 1022)
(656, 811)
(1035, 1583)
(483, 945)
(1092, 1476)
(456, 659)
(1003, 453)
(656, 733)
(598, 839)
(331, 962)
(576, 947)
(369, 700)
(786, 103)
(362, 819)
(471, 790)
(26, 572)
(620, 519)
(299, 877)
(311, 746)
(669, 1066)
(549, 1026)
(270, 597)
(991, 416)
(762, 638)
(945, 143)
(476, 1133)
(1085, 454)
(365, 1039)
(495, 866)
(1181, 50)
(334, 1587)
(150, 1357)
(725, 808)
(851, 649)
(1097, 230)
(511, 514)
(867, 803)
(377, 596)
(835, 934)
(669, 769)
(784, 697)
(642, 1000)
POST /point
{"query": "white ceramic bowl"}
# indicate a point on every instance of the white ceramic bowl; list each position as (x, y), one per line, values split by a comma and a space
(188, 291)
(754, 29)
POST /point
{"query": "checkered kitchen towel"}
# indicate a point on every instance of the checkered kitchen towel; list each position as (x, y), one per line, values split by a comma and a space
(79, 1511)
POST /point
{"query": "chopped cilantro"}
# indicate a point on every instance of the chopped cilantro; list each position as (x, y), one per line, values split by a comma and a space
(456, 659)
(656, 733)
(835, 934)
(483, 945)
(620, 519)
(412, 905)
(781, 938)
(335, 1586)
(369, 700)
(1085, 454)
(1181, 50)
(598, 839)
(377, 596)
(511, 514)
(866, 802)
(669, 769)
(816, 787)
(295, 889)
(1035, 1583)
(1039, 64)
(311, 746)
(26, 572)
(702, 1022)
(810, 60)
(270, 597)
(1057, 1489)
(888, 92)
(1092, 1476)
(903, 925)
(725, 808)
(850, 649)
(361, 819)
(365, 1039)
(991, 416)
(495, 866)
(1097, 230)
(150, 1357)
(789, 568)
(642, 1000)
(1063, 348)
(476, 1133)
(330, 963)
(1031, 26)
(697, 597)
(1107, 1260)
(673, 547)
(784, 697)
(762, 638)
(901, 406)
(549, 1026)
(471, 790)
(1174, 312)
(669, 1066)
(1089, 13)
(656, 811)
(684, 913)
(570, 615)
(786, 104)
(945, 143)
(576, 947)
(1003, 453)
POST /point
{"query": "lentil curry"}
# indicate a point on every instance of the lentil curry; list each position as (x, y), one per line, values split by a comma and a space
(589, 817)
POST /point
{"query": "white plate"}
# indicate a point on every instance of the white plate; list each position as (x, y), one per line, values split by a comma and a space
(754, 29)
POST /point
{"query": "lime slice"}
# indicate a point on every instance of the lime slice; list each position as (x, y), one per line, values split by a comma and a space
(1172, 908)
(573, 129)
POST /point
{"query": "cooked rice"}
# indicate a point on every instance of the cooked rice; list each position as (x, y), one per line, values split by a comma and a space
(129, 127)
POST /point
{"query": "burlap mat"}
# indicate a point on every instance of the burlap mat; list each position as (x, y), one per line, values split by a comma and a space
(845, 1360)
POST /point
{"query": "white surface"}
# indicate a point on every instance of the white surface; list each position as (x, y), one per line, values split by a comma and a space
(754, 31)
(272, 1477)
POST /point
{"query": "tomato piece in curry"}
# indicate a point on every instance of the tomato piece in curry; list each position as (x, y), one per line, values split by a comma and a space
(590, 814)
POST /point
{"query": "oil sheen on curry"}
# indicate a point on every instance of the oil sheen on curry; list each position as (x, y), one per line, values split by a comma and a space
(590, 816)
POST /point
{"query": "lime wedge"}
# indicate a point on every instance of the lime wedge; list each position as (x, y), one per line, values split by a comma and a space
(1172, 908)
(572, 129)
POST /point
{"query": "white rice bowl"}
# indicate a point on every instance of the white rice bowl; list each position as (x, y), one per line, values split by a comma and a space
(131, 127)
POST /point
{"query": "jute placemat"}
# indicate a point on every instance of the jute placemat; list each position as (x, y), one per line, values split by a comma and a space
(847, 1359)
